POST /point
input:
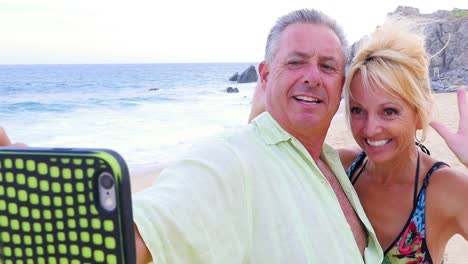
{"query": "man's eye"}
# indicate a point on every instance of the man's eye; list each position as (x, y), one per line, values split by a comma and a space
(355, 110)
(327, 67)
(295, 63)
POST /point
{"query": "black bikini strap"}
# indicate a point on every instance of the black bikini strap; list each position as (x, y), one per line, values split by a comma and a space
(434, 167)
(415, 194)
(356, 163)
(359, 173)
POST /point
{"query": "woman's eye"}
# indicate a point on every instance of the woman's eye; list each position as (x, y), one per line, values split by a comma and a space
(355, 110)
(390, 112)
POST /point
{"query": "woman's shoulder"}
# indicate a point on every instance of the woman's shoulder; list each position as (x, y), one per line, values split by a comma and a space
(348, 155)
(445, 176)
(449, 181)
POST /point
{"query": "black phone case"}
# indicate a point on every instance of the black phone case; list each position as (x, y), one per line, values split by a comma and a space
(50, 210)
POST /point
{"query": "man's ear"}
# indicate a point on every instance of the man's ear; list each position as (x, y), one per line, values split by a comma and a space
(264, 71)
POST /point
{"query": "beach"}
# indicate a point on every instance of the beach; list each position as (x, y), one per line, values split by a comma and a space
(339, 136)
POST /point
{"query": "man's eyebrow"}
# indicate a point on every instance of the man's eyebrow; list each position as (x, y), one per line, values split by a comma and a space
(299, 54)
(307, 55)
(329, 58)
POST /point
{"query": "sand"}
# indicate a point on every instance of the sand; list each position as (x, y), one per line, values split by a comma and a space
(339, 136)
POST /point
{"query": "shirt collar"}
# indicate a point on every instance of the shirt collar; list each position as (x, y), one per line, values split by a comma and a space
(273, 134)
(270, 130)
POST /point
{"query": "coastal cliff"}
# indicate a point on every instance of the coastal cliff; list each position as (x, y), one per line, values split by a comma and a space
(449, 29)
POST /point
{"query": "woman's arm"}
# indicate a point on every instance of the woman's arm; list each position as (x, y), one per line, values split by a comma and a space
(258, 102)
(447, 200)
(348, 155)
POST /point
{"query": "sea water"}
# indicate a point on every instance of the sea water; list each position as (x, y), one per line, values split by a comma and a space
(149, 113)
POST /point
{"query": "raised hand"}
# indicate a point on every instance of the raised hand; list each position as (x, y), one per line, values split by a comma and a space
(458, 141)
(5, 140)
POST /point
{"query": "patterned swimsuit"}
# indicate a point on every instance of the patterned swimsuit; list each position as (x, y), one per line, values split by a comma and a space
(409, 247)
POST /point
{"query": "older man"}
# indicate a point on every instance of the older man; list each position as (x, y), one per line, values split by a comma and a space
(272, 192)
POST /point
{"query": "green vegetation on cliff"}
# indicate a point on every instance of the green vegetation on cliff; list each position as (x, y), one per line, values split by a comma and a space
(459, 13)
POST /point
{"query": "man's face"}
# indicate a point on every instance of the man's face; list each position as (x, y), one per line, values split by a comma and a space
(303, 83)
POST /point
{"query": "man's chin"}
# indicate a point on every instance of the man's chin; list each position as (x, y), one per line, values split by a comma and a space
(311, 121)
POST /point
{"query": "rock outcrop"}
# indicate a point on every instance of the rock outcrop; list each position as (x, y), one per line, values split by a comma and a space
(232, 90)
(234, 77)
(247, 76)
(449, 66)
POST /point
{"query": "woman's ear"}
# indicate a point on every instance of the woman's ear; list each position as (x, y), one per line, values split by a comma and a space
(419, 123)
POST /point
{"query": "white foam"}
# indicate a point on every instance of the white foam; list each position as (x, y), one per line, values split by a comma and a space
(147, 133)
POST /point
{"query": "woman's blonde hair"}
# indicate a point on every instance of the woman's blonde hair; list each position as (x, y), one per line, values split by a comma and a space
(393, 58)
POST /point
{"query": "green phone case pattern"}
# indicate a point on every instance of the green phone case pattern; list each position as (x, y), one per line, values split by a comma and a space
(66, 223)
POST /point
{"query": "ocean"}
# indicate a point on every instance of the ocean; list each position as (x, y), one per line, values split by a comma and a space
(149, 113)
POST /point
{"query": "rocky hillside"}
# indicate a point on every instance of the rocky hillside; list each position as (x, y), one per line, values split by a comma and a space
(449, 68)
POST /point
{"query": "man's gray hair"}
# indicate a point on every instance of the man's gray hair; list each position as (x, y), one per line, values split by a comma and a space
(302, 16)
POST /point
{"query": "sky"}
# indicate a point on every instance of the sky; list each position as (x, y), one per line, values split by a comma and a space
(168, 31)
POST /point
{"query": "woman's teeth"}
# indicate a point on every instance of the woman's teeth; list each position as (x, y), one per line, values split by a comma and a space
(378, 143)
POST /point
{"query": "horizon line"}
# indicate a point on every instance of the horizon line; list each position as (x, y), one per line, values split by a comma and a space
(122, 63)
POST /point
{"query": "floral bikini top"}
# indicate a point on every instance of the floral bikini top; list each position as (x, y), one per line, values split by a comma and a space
(409, 247)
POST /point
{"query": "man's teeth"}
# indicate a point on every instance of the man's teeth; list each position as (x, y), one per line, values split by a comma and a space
(307, 99)
(378, 143)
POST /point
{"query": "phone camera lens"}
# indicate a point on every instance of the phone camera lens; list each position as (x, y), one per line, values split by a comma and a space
(106, 181)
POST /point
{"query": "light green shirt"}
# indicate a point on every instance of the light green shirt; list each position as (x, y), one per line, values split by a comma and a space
(255, 196)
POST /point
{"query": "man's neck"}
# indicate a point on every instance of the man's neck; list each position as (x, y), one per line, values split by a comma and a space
(311, 137)
(313, 143)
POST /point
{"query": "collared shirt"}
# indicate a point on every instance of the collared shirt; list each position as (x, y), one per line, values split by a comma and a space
(254, 196)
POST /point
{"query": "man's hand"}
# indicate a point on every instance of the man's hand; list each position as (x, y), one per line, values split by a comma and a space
(4, 139)
(143, 256)
(457, 142)
(6, 142)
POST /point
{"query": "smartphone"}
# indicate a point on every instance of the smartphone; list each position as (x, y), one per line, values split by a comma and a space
(65, 206)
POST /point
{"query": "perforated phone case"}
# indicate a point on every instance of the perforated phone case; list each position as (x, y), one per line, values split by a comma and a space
(50, 211)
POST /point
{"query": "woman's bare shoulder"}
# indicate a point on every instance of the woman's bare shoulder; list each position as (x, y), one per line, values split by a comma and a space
(446, 178)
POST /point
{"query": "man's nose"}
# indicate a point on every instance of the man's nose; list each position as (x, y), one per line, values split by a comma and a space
(312, 75)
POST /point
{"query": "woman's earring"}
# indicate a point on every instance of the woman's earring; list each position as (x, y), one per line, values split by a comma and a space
(416, 136)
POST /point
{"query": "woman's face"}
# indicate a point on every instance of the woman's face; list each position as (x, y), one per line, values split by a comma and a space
(384, 126)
